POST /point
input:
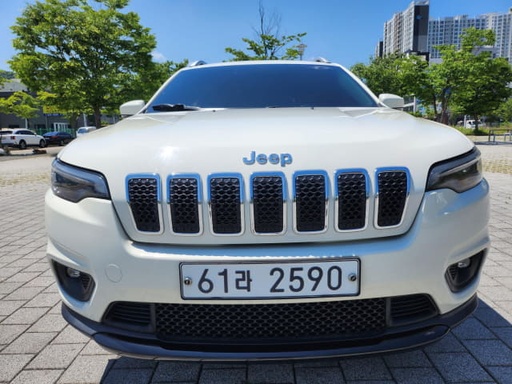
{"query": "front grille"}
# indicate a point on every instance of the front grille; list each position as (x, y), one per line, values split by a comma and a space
(268, 197)
(352, 197)
(270, 201)
(333, 319)
(310, 198)
(225, 202)
(272, 323)
(392, 196)
(143, 199)
(184, 204)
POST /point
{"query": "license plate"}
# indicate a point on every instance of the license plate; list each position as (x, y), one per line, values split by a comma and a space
(277, 280)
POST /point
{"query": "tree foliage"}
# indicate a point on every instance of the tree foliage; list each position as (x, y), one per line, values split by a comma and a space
(5, 76)
(486, 79)
(395, 73)
(467, 80)
(505, 110)
(145, 83)
(269, 43)
(20, 104)
(84, 52)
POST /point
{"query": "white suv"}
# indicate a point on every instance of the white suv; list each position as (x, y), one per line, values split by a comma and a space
(267, 210)
(21, 138)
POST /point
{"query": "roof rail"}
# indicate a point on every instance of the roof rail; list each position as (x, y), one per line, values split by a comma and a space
(197, 63)
(321, 60)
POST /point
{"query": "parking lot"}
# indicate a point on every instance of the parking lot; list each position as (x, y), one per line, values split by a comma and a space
(37, 345)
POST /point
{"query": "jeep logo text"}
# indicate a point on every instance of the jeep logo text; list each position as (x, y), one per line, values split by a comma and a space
(284, 159)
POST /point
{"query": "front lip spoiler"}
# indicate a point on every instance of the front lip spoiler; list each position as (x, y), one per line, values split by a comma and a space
(425, 332)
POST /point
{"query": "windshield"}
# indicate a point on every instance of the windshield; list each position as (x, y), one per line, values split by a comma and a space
(263, 86)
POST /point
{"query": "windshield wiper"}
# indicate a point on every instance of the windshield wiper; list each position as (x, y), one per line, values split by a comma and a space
(174, 107)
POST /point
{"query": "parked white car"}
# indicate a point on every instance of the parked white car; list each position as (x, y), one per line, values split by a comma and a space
(267, 210)
(472, 124)
(21, 138)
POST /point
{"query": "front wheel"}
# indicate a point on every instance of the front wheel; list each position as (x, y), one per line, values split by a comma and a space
(61, 143)
(42, 143)
(22, 144)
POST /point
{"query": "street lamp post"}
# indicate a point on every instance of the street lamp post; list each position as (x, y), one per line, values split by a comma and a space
(301, 48)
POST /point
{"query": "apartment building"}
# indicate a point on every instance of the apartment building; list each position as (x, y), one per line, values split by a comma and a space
(407, 31)
(413, 31)
(448, 30)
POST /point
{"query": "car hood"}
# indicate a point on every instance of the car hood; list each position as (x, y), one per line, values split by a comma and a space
(317, 138)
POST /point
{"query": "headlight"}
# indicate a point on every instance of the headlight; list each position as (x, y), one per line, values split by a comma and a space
(75, 184)
(458, 174)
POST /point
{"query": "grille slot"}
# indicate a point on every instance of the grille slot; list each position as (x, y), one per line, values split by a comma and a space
(393, 190)
(268, 207)
(310, 203)
(409, 309)
(143, 199)
(352, 197)
(132, 314)
(184, 205)
(225, 205)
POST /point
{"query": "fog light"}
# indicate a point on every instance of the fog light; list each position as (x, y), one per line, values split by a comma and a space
(461, 274)
(73, 273)
(77, 284)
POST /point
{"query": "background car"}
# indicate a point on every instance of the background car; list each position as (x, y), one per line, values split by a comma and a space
(472, 124)
(21, 138)
(83, 130)
(58, 138)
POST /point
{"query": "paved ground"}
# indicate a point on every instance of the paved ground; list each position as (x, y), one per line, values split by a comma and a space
(37, 346)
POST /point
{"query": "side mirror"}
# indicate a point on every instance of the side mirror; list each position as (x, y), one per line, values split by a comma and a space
(131, 107)
(391, 101)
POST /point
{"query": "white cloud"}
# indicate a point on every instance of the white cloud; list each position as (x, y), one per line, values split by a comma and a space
(158, 56)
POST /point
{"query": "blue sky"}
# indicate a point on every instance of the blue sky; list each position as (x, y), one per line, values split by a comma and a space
(343, 31)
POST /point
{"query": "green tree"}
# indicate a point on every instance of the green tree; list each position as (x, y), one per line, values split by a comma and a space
(83, 54)
(486, 79)
(145, 83)
(20, 104)
(504, 111)
(4, 76)
(468, 80)
(269, 43)
(396, 73)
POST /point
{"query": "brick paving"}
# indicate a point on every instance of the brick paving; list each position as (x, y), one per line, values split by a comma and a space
(37, 346)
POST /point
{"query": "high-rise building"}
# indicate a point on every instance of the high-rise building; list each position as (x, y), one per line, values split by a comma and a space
(412, 31)
(448, 30)
(407, 31)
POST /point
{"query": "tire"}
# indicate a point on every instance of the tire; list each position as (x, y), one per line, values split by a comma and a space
(22, 144)
(42, 144)
(61, 143)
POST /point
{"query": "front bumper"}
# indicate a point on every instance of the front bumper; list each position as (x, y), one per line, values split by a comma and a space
(137, 344)
(449, 228)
